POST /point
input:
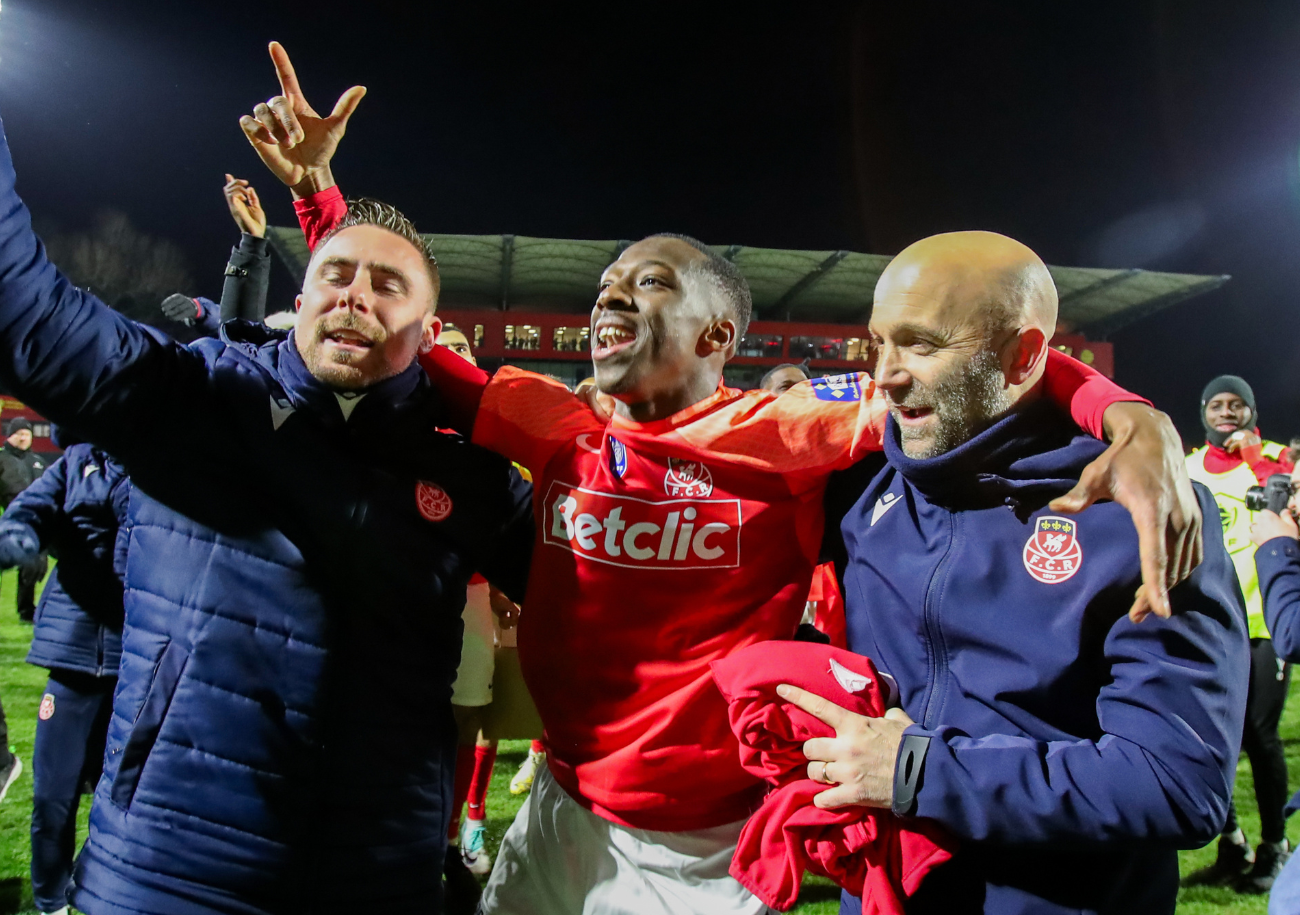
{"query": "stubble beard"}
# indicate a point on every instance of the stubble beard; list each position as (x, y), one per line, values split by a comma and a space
(343, 371)
(964, 401)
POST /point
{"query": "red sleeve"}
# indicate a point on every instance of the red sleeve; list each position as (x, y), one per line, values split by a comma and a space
(320, 212)
(1084, 391)
(528, 418)
(1263, 467)
(460, 384)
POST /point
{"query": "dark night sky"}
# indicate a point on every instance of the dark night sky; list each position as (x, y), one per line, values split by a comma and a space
(1161, 134)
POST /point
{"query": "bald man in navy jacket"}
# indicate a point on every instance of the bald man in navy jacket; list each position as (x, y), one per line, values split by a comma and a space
(1070, 748)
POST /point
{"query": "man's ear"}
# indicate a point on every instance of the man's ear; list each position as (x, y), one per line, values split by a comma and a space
(1028, 353)
(718, 337)
(430, 335)
(297, 303)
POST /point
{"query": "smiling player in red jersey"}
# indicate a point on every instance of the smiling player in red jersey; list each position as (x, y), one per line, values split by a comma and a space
(681, 530)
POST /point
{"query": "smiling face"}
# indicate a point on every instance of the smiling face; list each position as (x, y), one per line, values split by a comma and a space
(958, 328)
(366, 308)
(942, 379)
(1227, 413)
(660, 335)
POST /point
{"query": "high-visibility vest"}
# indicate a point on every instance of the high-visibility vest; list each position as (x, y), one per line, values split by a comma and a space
(1229, 491)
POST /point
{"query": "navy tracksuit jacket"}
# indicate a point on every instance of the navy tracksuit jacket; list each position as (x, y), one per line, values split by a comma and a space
(282, 738)
(1069, 749)
(76, 510)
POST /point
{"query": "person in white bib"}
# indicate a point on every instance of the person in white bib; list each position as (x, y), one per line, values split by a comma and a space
(1233, 459)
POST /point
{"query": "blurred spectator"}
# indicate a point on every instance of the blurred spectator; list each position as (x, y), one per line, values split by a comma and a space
(75, 511)
(20, 466)
(784, 377)
(1233, 459)
(1277, 559)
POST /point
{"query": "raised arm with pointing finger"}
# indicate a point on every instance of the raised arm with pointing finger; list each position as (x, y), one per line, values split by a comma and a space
(294, 618)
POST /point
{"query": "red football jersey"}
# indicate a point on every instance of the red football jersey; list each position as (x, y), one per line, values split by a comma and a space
(662, 547)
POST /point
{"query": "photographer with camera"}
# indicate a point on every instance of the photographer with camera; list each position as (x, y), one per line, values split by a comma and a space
(1277, 559)
(1234, 461)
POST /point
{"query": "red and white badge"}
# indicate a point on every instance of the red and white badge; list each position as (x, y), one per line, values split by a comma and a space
(432, 501)
(1053, 553)
(688, 479)
(47, 707)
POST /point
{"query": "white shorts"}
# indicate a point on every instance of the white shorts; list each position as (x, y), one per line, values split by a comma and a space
(558, 858)
(473, 686)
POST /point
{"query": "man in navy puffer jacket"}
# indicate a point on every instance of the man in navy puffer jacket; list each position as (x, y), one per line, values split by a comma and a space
(301, 535)
(75, 511)
(1069, 749)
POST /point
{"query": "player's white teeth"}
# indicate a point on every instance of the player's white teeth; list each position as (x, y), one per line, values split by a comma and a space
(612, 336)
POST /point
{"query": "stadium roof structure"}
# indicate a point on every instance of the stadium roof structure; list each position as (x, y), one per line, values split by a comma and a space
(553, 274)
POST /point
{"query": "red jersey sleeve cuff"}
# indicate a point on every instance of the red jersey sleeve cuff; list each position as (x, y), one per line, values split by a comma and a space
(320, 212)
(460, 384)
(1083, 391)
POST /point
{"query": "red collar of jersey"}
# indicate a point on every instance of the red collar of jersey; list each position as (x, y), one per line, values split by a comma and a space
(719, 397)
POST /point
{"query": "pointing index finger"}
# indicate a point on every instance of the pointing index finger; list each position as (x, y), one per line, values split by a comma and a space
(817, 706)
(284, 71)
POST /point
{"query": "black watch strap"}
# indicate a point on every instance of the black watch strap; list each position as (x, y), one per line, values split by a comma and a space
(907, 772)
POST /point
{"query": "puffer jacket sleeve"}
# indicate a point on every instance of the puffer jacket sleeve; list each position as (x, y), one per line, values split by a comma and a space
(1278, 564)
(1162, 770)
(65, 353)
(120, 497)
(39, 506)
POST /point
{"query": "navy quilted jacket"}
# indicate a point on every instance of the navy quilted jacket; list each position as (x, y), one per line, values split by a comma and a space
(282, 738)
(1070, 750)
(76, 510)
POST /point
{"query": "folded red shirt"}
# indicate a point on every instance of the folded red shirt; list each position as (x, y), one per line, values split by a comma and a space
(866, 850)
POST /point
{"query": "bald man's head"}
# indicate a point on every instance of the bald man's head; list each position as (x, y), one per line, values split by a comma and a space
(961, 322)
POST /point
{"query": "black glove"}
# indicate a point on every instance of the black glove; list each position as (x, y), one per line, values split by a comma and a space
(182, 308)
(19, 545)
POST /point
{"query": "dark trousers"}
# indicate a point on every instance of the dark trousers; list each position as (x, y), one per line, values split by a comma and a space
(1269, 679)
(70, 731)
(28, 578)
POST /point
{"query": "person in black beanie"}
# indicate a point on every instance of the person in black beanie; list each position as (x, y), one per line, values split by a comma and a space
(1233, 459)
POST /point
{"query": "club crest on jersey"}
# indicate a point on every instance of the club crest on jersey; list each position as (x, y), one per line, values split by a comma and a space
(688, 479)
(47, 707)
(837, 388)
(1052, 553)
(432, 501)
(617, 457)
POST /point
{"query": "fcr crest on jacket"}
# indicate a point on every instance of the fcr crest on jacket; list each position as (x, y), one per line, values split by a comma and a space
(1071, 750)
(76, 510)
(282, 738)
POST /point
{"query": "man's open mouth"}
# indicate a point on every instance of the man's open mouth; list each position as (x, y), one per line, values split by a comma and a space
(910, 415)
(349, 340)
(1226, 426)
(611, 338)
